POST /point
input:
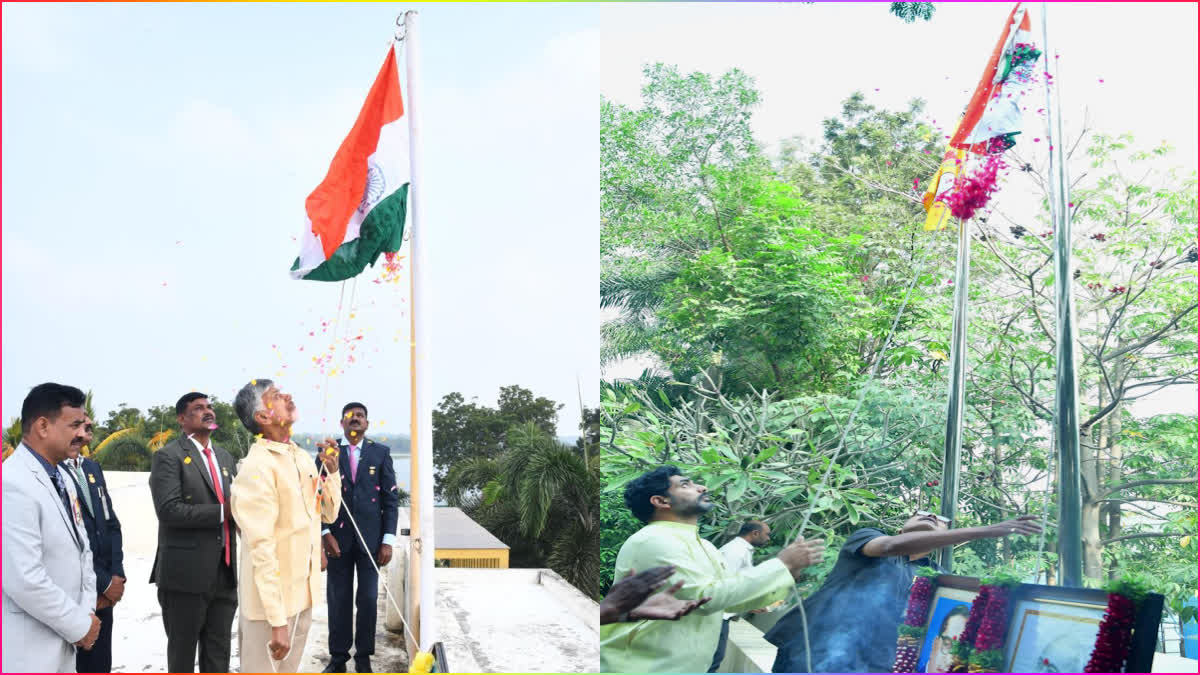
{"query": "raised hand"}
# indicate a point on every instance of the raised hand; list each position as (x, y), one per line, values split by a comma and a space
(665, 606)
(631, 591)
(1025, 525)
(801, 554)
(329, 455)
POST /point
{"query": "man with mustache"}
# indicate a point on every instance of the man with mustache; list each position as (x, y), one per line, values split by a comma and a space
(49, 584)
(194, 567)
(671, 505)
(369, 494)
(104, 535)
(279, 502)
(852, 619)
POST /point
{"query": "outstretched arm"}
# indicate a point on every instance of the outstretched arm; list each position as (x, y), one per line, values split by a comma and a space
(914, 543)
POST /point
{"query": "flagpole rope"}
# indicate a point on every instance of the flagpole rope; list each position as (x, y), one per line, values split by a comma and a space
(862, 397)
(362, 539)
(337, 321)
(291, 640)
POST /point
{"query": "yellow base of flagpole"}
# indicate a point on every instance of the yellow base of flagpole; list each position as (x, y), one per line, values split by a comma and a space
(422, 663)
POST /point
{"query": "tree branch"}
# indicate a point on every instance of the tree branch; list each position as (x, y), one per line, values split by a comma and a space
(1151, 338)
(1149, 481)
(1139, 535)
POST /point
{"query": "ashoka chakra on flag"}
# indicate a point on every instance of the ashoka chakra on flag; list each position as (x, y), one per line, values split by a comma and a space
(358, 211)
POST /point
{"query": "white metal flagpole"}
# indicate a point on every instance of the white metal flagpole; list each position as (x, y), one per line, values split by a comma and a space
(422, 358)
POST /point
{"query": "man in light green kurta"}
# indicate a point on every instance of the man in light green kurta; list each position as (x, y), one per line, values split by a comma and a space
(671, 505)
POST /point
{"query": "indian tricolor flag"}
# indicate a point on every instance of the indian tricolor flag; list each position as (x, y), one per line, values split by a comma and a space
(358, 210)
(995, 107)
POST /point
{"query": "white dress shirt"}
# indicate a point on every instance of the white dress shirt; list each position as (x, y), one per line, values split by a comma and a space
(354, 457)
(207, 471)
(739, 555)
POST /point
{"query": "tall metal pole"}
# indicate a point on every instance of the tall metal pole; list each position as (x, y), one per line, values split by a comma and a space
(1066, 397)
(958, 377)
(420, 353)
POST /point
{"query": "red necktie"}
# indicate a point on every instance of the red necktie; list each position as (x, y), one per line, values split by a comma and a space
(216, 477)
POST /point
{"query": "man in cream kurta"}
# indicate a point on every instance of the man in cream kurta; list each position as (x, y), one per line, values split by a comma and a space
(671, 505)
(278, 500)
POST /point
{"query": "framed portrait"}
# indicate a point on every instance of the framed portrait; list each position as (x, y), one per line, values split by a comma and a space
(1052, 629)
(947, 616)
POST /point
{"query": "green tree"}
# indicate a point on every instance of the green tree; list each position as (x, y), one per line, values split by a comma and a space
(467, 430)
(12, 434)
(124, 417)
(128, 453)
(656, 179)
(740, 274)
(539, 497)
(517, 405)
(911, 11)
(763, 457)
(230, 433)
(1135, 285)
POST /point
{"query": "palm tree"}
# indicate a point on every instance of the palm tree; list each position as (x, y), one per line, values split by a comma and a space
(637, 293)
(123, 451)
(12, 435)
(87, 406)
(541, 498)
(160, 439)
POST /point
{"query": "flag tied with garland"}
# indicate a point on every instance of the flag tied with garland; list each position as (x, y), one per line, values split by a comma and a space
(988, 127)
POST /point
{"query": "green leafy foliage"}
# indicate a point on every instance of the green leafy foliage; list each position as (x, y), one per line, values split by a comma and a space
(911, 11)
(539, 497)
(465, 430)
(128, 453)
(741, 274)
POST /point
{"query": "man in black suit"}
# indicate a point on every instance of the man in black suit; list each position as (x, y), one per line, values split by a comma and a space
(104, 535)
(369, 492)
(197, 546)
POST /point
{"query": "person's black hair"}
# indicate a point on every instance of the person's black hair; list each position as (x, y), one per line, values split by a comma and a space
(960, 610)
(750, 527)
(185, 400)
(352, 405)
(639, 490)
(48, 400)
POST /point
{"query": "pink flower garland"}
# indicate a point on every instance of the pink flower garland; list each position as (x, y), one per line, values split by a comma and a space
(908, 642)
(973, 192)
(918, 602)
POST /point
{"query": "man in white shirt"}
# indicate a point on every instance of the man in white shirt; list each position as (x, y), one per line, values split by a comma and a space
(739, 554)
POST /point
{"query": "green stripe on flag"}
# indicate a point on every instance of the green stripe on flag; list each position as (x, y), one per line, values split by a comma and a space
(382, 232)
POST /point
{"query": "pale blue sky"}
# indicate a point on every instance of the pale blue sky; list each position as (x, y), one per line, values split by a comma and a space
(174, 144)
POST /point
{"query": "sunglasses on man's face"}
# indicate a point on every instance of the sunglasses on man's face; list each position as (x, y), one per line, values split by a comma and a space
(941, 518)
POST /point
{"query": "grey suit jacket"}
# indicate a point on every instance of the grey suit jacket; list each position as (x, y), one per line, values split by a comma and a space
(190, 532)
(49, 583)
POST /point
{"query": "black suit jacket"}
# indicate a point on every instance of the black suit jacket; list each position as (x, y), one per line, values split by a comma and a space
(372, 498)
(103, 528)
(191, 538)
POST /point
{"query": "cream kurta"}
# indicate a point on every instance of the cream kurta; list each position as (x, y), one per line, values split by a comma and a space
(274, 501)
(686, 645)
